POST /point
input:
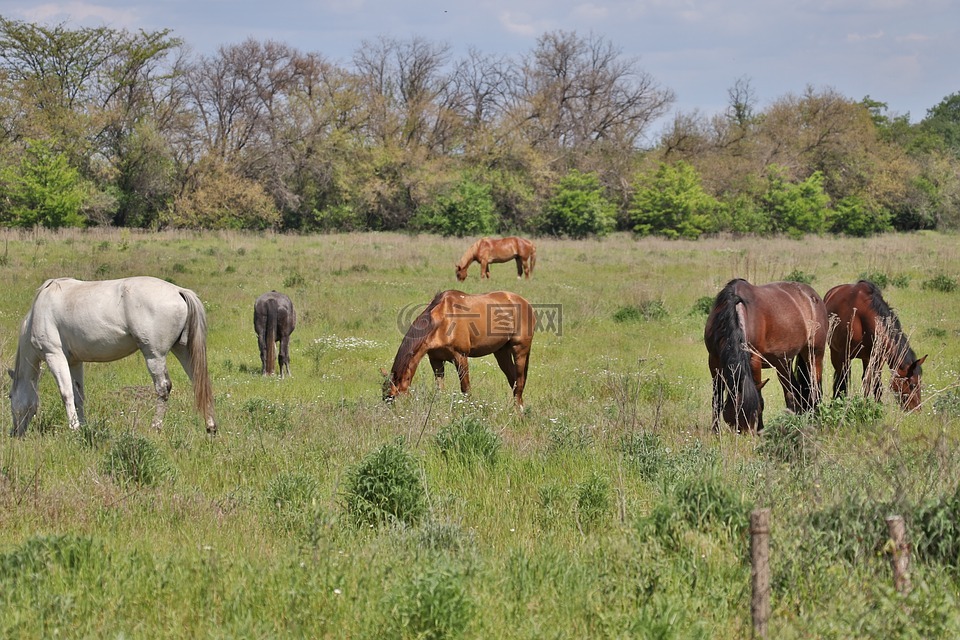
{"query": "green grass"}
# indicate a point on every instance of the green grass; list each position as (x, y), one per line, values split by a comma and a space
(609, 508)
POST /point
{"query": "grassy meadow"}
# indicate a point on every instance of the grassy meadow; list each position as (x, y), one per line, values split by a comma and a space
(608, 509)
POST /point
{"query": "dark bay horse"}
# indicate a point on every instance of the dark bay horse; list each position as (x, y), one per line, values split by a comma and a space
(868, 329)
(486, 251)
(72, 322)
(756, 327)
(456, 326)
(274, 320)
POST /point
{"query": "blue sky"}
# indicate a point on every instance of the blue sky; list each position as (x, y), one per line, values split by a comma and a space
(902, 52)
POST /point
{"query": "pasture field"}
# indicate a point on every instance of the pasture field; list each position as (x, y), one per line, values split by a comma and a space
(609, 509)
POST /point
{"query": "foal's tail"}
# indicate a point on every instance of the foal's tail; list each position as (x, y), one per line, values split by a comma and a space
(196, 329)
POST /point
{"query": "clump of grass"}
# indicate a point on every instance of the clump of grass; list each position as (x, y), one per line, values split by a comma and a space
(134, 459)
(849, 412)
(271, 416)
(788, 438)
(701, 502)
(901, 281)
(800, 276)
(39, 554)
(93, 434)
(443, 536)
(940, 282)
(645, 451)
(947, 404)
(294, 279)
(290, 497)
(938, 538)
(467, 439)
(385, 487)
(592, 500)
(876, 277)
(432, 604)
(703, 306)
(564, 436)
(647, 310)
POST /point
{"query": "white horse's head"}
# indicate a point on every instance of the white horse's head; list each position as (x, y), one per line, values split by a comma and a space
(24, 401)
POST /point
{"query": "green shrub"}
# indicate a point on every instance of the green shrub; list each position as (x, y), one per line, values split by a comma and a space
(940, 282)
(592, 499)
(788, 438)
(290, 498)
(134, 459)
(467, 209)
(672, 203)
(800, 276)
(578, 208)
(433, 604)
(849, 412)
(645, 451)
(42, 190)
(703, 306)
(937, 524)
(385, 487)
(468, 439)
(876, 277)
(796, 208)
(852, 216)
(646, 310)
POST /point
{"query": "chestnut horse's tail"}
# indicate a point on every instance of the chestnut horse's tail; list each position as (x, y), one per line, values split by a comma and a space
(735, 358)
(196, 329)
(533, 259)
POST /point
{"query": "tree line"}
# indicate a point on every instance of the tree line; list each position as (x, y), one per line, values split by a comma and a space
(100, 126)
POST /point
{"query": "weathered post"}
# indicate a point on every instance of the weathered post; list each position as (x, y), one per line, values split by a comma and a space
(760, 570)
(900, 554)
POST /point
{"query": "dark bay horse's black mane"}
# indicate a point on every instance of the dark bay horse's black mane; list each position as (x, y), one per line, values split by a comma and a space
(733, 355)
(420, 329)
(883, 310)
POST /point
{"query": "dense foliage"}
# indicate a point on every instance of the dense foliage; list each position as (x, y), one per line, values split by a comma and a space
(141, 133)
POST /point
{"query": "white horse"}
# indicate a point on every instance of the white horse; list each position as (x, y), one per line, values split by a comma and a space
(72, 322)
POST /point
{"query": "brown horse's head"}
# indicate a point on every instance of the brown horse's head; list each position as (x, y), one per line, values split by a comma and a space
(905, 383)
(461, 273)
(389, 389)
(745, 413)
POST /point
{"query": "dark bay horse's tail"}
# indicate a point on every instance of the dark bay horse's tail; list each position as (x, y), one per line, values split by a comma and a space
(270, 335)
(735, 359)
(196, 329)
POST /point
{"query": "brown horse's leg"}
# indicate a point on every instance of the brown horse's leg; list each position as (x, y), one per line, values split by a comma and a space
(841, 372)
(437, 365)
(507, 365)
(785, 375)
(484, 270)
(871, 376)
(521, 360)
(463, 370)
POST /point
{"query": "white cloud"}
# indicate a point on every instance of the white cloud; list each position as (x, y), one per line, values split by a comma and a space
(863, 37)
(81, 12)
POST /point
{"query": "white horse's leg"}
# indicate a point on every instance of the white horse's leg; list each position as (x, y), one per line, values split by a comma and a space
(60, 369)
(157, 365)
(183, 355)
(79, 394)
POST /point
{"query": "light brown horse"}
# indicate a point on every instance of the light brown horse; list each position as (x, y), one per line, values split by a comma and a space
(456, 326)
(868, 329)
(486, 251)
(756, 327)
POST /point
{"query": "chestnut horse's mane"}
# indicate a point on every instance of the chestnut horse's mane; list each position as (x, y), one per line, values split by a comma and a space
(895, 329)
(420, 329)
(469, 255)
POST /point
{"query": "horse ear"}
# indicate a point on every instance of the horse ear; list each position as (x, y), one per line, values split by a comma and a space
(10, 371)
(763, 384)
(384, 373)
(920, 361)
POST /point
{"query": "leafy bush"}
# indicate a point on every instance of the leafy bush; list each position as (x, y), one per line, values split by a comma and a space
(385, 487)
(938, 533)
(578, 208)
(647, 310)
(466, 210)
(42, 190)
(788, 438)
(672, 203)
(850, 411)
(800, 276)
(940, 282)
(796, 208)
(431, 605)
(289, 499)
(703, 306)
(223, 200)
(467, 439)
(852, 216)
(645, 451)
(135, 459)
(876, 277)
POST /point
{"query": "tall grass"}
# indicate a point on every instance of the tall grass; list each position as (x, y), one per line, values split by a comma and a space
(608, 508)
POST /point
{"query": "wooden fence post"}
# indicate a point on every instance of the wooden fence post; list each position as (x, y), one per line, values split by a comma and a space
(900, 554)
(760, 570)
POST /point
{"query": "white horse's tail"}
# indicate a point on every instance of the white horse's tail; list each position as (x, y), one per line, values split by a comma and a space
(197, 346)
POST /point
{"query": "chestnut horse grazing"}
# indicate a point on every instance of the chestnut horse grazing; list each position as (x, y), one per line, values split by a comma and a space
(868, 329)
(72, 322)
(486, 251)
(274, 320)
(456, 326)
(757, 327)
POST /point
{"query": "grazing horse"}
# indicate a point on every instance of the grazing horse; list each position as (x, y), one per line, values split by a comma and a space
(756, 327)
(486, 251)
(72, 322)
(274, 320)
(456, 326)
(868, 329)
